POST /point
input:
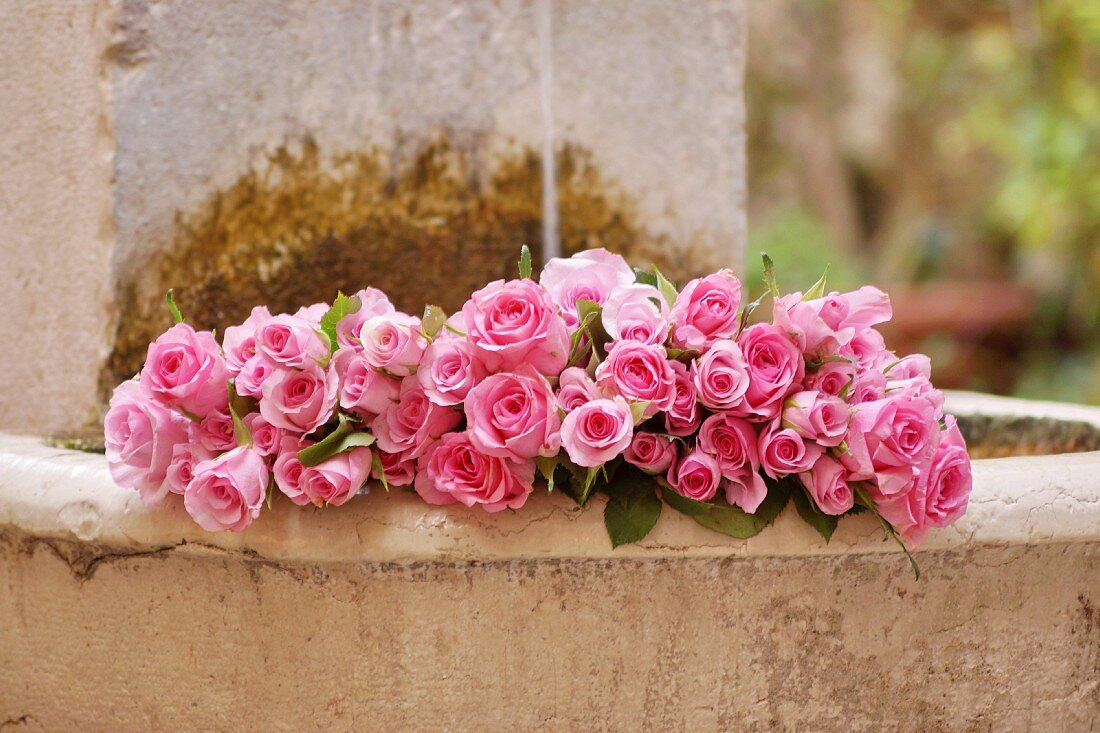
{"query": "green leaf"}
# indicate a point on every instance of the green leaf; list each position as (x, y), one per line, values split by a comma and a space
(177, 317)
(270, 491)
(825, 524)
(666, 287)
(589, 313)
(888, 528)
(525, 262)
(432, 321)
(376, 466)
(345, 437)
(729, 520)
(644, 277)
(342, 306)
(818, 288)
(769, 275)
(637, 411)
(632, 507)
(241, 434)
(747, 311)
(582, 328)
(589, 483)
(547, 466)
(679, 354)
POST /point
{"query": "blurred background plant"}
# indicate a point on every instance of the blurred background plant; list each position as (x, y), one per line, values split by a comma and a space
(951, 152)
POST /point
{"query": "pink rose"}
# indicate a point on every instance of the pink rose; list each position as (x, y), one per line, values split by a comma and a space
(514, 415)
(817, 416)
(597, 431)
(589, 275)
(824, 325)
(373, 302)
(141, 435)
(636, 312)
(364, 390)
(868, 350)
(300, 400)
(449, 370)
(775, 367)
(783, 451)
(291, 341)
(832, 378)
(185, 456)
(336, 479)
(827, 483)
(226, 492)
(312, 314)
(456, 471)
(250, 379)
(650, 452)
(239, 342)
(399, 468)
(890, 440)
(412, 423)
(393, 342)
(732, 442)
(215, 431)
(288, 471)
(869, 386)
(682, 417)
(185, 369)
(695, 476)
(515, 322)
(575, 388)
(640, 373)
(721, 376)
(266, 438)
(705, 311)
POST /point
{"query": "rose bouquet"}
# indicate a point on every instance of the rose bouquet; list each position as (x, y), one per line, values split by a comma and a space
(595, 378)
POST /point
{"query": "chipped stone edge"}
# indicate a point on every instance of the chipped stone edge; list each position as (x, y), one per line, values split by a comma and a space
(66, 501)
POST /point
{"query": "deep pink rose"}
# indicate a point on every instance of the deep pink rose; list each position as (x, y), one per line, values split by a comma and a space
(817, 416)
(640, 373)
(300, 400)
(364, 390)
(827, 483)
(393, 342)
(696, 476)
(575, 388)
(588, 275)
(783, 451)
(834, 378)
(732, 441)
(250, 379)
(412, 423)
(215, 431)
(449, 370)
(291, 341)
(226, 492)
(141, 435)
(239, 342)
(891, 440)
(372, 302)
(515, 322)
(775, 367)
(456, 471)
(746, 490)
(336, 479)
(184, 369)
(682, 417)
(185, 456)
(705, 311)
(514, 415)
(597, 431)
(399, 468)
(266, 438)
(636, 312)
(650, 452)
(721, 376)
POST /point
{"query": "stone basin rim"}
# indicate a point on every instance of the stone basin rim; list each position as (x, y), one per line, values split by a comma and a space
(67, 500)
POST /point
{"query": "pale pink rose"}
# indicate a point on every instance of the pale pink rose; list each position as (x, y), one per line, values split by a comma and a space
(364, 390)
(312, 314)
(413, 422)
(858, 309)
(775, 367)
(597, 431)
(141, 435)
(373, 302)
(300, 400)
(817, 416)
(682, 417)
(399, 468)
(226, 492)
(266, 438)
(250, 379)
(515, 322)
(291, 341)
(185, 456)
(640, 373)
(215, 431)
(827, 483)
(636, 312)
(239, 342)
(575, 388)
(449, 370)
(868, 350)
(336, 479)
(823, 325)
(514, 415)
(832, 378)
(721, 376)
(393, 342)
(589, 275)
(869, 386)
(913, 366)
(696, 476)
(783, 451)
(891, 440)
(288, 471)
(185, 369)
(705, 311)
(650, 452)
(456, 471)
